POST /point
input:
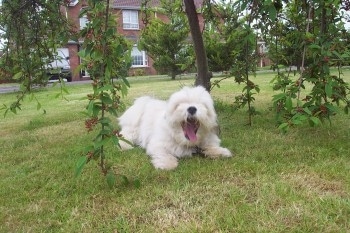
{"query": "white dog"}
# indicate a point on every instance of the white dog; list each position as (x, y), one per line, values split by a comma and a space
(173, 129)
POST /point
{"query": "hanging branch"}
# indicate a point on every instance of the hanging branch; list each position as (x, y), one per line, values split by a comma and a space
(105, 55)
(300, 80)
(145, 12)
(241, 70)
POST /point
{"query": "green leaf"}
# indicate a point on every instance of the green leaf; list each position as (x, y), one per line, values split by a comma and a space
(105, 132)
(80, 165)
(17, 75)
(307, 110)
(90, 107)
(284, 127)
(257, 89)
(105, 88)
(336, 54)
(126, 81)
(115, 140)
(100, 143)
(111, 179)
(137, 183)
(105, 120)
(38, 106)
(289, 103)
(331, 107)
(96, 109)
(113, 111)
(314, 46)
(314, 121)
(278, 97)
(329, 89)
(242, 4)
(106, 99)
(65, 90)
(272, 12)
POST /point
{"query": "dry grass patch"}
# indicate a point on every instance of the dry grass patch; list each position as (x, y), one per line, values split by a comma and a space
(314, 185)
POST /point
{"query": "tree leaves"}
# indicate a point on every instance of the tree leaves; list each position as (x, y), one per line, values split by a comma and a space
(106, 57)
(323, 45)
(166, 41)
(80, 165)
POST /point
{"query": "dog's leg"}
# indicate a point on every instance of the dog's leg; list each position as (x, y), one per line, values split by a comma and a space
(165, 162)
(211, 147)
(216, 151)
(161, 159)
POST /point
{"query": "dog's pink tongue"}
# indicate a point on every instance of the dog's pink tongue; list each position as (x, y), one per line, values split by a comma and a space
(190, 131)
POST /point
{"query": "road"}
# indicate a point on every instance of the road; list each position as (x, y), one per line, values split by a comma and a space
(10, 88)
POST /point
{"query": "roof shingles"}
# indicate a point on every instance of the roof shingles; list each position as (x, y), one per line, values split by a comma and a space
(136, 4)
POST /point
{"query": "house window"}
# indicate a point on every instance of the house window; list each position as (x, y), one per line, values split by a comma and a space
(130, 19)
(83, 21)
(73, 2)
(139, 58)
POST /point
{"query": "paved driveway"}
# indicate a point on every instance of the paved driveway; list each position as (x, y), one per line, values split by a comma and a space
(9, 88)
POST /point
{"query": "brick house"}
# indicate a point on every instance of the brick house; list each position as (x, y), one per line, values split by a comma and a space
(129, 24)
(262, 51)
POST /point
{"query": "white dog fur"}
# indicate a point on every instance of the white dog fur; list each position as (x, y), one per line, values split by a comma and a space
(172, 129)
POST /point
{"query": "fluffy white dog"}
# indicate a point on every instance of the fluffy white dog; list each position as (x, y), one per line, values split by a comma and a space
(173, 129)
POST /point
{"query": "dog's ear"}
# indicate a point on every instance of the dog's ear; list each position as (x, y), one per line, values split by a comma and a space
(171, 107)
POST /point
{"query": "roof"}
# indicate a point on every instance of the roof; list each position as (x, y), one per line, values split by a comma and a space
(136, 4)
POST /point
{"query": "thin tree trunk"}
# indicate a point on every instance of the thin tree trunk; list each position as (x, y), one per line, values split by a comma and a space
(203, 75)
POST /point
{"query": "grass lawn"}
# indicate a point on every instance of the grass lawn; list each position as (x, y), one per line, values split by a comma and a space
(294, 182)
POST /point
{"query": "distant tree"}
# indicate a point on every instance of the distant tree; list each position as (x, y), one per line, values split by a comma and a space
(165, 41)
(310, 35)
(32, 32)
(223, 36)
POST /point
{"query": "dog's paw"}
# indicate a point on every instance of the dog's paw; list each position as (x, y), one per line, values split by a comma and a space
(216, 152)
(165, 163)
(226, 153)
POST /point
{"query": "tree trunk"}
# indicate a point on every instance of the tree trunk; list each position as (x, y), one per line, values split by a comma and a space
(173, 74)
(203, 75)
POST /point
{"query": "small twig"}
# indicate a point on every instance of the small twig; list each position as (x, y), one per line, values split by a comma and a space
(304, 54)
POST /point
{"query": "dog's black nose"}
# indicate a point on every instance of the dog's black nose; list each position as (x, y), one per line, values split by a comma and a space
(192, 110)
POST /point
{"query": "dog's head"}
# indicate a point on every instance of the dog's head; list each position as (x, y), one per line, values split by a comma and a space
(192, 111)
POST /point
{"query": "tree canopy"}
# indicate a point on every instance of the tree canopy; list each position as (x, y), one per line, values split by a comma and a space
(166, 39)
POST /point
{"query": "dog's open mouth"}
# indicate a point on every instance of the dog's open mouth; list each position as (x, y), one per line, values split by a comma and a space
(190, 128)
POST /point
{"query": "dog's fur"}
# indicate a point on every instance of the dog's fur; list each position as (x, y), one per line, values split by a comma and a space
(173, 129)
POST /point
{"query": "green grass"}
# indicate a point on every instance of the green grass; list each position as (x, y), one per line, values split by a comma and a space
(294, 182)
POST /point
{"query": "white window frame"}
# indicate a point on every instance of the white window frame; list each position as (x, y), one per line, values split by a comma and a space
(136, 52)
(83, 71)
(83, 21)
(73, 2)
(131, 20)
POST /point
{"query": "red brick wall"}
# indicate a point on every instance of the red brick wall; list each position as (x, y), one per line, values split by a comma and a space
(74, 61)
(72, 13)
